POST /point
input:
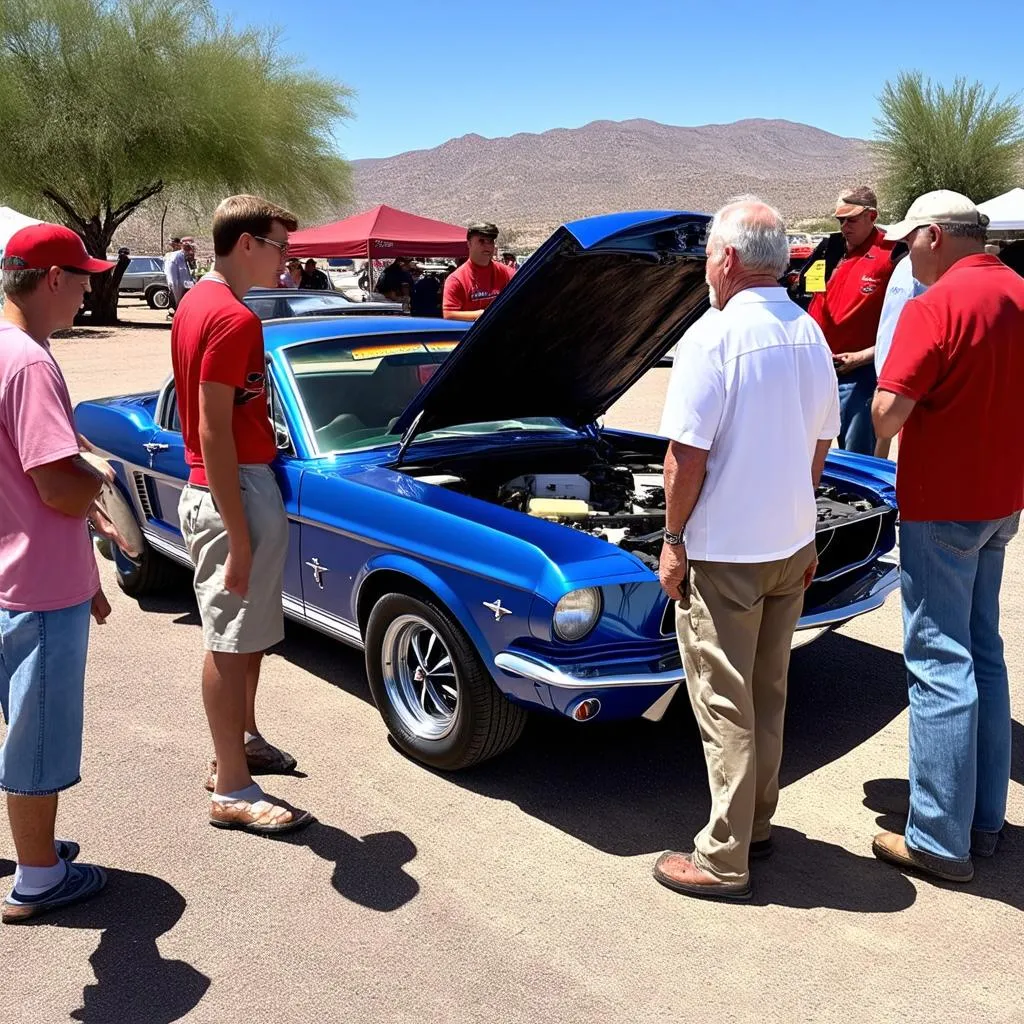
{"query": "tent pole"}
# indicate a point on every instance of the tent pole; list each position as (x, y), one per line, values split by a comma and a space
(369, 267)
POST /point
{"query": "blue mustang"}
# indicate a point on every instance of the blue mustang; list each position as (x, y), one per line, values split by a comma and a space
(458, 511)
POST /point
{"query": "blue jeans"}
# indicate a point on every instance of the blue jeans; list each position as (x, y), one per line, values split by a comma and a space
(856, 390)
(959, 691)
(42, 690)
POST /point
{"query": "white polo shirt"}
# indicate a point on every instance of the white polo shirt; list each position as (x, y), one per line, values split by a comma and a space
(754, 386)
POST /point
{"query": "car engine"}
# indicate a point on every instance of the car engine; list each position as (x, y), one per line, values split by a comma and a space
(621, 505)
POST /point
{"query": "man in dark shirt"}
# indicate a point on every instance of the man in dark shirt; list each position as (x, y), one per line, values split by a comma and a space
(314, 278)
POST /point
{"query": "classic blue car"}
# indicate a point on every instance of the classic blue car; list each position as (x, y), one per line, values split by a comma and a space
(458, 510)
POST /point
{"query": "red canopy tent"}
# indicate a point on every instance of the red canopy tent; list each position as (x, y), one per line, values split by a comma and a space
(380, 233)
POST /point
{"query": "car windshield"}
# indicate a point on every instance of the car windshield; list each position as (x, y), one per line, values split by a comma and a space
(354, 389)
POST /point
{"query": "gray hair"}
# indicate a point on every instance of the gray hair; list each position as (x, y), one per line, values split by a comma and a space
(756, 231)
(22, 282)
(975, 232)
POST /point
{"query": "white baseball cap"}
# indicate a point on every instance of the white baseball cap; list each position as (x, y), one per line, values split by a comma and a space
(939, 207)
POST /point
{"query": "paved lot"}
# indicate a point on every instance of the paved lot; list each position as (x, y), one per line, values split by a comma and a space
(520, 891)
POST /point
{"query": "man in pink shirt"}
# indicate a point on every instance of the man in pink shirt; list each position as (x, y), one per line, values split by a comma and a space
(48, 578)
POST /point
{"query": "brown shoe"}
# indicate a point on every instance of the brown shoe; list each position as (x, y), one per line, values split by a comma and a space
(892, 847)
(261, 817)
(262, 757)
(677, 871)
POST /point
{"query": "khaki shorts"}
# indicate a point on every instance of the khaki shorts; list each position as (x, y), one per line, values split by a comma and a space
(232, 624)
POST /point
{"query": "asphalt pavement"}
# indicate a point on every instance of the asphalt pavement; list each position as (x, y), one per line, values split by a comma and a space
(520, 891)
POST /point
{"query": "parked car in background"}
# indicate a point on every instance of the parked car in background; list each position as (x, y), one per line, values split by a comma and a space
(457, 510)
(145, 275)
(284, 303)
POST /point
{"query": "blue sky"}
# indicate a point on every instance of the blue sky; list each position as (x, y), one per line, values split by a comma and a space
(428, 71)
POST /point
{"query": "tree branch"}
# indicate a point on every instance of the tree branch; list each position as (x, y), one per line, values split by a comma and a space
(142, 193)
(69, 211)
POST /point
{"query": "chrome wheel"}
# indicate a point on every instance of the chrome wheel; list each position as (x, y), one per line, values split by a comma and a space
(419, 677)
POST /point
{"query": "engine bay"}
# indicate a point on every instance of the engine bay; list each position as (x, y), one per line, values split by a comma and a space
(618, 500)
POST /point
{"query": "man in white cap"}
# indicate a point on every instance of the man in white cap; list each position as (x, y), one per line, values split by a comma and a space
(951, 383)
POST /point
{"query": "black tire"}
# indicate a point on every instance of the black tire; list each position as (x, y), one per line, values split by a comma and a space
(151, 573)
(483, 722)
(158, 297)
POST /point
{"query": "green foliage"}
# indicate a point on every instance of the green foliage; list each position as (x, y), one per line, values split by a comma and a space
(962, 138)
(106, 103)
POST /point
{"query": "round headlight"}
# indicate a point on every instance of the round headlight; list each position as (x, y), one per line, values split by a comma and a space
(577, 613)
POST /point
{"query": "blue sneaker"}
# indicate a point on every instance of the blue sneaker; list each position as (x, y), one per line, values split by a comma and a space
(81, 882)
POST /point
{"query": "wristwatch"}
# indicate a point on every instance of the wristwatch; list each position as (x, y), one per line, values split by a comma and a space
(671, 538)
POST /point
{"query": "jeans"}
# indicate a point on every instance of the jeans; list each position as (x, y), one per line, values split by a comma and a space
(959, 691)
(42, 690)
(856, 390)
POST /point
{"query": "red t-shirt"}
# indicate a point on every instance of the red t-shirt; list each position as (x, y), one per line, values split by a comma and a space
(214, 337)
(958, 351)
(849, 309)
(472, 287)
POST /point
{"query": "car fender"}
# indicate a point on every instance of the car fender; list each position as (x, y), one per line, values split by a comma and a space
(444, 591)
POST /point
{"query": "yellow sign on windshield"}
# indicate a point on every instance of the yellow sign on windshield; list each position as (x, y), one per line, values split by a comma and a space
(383, 351)
(814, 279)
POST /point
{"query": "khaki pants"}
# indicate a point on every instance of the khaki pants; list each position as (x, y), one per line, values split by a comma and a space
(735, 636)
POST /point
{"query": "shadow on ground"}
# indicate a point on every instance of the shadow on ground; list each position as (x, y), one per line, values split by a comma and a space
(995, 878)
(134, 983)
(368, 871)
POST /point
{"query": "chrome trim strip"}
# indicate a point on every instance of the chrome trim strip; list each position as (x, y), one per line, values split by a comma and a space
(347, 632)
(874, 598)
(533, 668)
(165, 547)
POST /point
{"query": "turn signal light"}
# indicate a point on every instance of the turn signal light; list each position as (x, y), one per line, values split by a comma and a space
(586, 709)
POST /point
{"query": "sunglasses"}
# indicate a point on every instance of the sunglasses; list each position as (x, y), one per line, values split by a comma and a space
(75, 270)
(282, 247)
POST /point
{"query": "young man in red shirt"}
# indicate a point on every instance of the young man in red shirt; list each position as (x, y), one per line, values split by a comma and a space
(469, 290)
(951, 382)
(232, 516)
(849, 310)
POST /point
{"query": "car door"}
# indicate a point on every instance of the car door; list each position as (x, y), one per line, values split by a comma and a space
(161, 482)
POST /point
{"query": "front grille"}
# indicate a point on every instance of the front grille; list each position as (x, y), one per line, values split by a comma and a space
(668, 619)
(848, 546)
(142, 489)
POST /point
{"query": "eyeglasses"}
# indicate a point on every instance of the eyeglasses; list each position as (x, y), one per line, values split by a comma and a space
(75, 270)
(282, 247)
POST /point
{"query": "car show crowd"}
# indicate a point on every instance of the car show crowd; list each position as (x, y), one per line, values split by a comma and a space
(918, 335)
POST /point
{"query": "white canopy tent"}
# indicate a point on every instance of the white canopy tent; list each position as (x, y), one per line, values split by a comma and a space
(11, 221)
(1005, 212)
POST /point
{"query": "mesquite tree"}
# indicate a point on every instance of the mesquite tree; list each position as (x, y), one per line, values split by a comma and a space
(105, 104)
(962, 138)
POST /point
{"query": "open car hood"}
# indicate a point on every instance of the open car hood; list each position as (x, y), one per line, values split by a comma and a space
(590, 312)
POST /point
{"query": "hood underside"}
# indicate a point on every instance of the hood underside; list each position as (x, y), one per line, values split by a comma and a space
(595, 307)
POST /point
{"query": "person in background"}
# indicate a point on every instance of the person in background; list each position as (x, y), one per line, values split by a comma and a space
(902, 287)
(49, 585)
(426, 293)
(509, 259)
(292, 276)
(314, 278)
(739, 581)
(480, 280)
(177, 271)
(397, 281)
(848, 312)
(951, 384)
(168, 260)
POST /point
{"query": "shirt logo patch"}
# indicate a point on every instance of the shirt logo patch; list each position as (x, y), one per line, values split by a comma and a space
(255, 386)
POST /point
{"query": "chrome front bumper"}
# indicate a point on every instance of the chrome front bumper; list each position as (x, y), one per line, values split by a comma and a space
(870, 595)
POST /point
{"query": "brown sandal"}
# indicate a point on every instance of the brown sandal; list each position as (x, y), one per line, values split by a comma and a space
(260, 817)
(261, 757)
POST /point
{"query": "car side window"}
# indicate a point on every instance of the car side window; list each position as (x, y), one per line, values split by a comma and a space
(167, 416)
(276, 413)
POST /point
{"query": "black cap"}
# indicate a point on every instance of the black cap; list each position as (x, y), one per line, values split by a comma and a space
(482, 227)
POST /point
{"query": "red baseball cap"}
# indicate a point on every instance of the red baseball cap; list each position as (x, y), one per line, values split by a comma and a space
(41, 246)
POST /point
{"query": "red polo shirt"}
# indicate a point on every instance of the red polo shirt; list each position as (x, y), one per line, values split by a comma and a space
(214, 337)
(472, 287)
(849, 309)
(958, 351)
